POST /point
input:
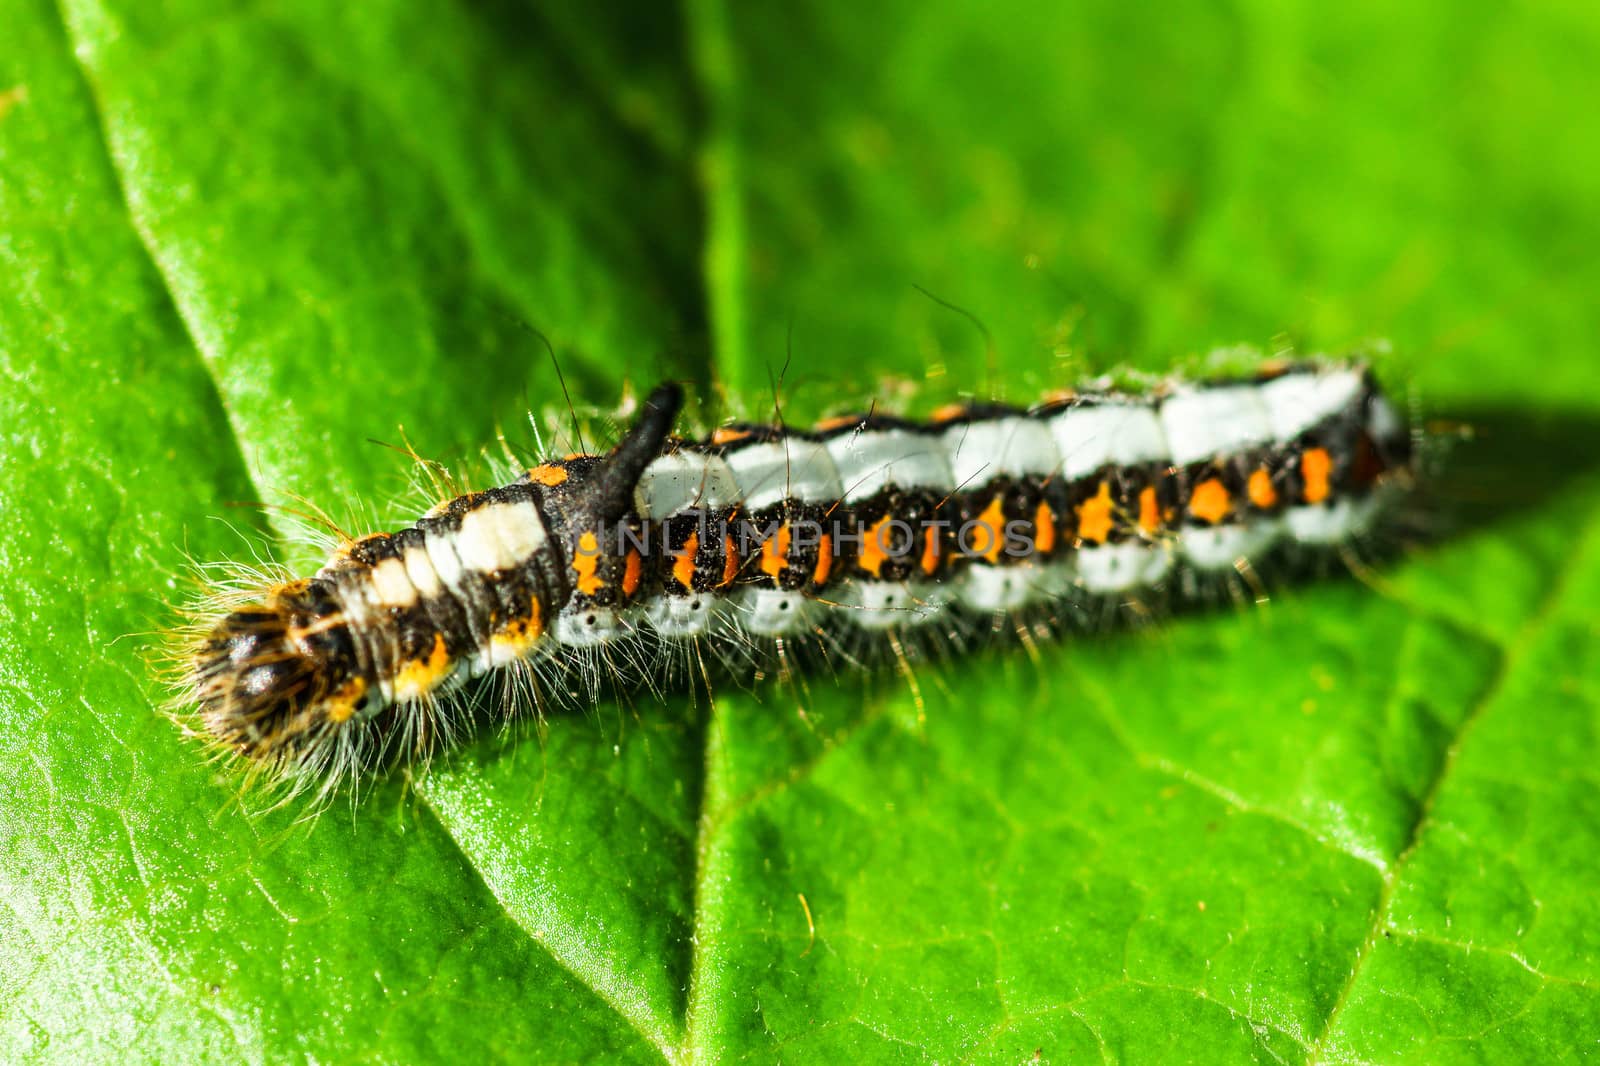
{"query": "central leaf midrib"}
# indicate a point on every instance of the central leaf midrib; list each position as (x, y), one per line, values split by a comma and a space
(659, 1037)
(709, 44)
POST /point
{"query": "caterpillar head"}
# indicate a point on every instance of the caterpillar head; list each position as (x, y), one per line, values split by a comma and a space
(277, 681)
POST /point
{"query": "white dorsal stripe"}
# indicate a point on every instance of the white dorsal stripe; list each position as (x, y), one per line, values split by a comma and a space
(423, 574)
(1092, 437)
(499, 536)
(1299, 400)
(392, 585)
(682, 480)
(792, 468)
(871, 460)
(1208, 423)
(1010, 446)
(443, 559)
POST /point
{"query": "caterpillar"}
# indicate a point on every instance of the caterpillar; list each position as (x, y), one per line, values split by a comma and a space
(863, 533)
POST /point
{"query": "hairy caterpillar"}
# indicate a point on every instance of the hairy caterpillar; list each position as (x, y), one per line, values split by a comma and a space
(862, 534)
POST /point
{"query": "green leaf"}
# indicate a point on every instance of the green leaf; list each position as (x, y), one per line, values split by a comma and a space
(1359, 824)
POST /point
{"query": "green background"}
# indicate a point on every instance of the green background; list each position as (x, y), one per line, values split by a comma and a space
(1362, 824)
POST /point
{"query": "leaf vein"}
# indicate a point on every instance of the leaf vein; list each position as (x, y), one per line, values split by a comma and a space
(1547, 604)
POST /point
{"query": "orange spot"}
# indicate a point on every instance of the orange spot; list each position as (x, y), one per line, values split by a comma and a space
(728, 434)
(775, 552)
(1094, 516)
(1315, 467)
(873, 555)
(1044, 529)
(683, 567)
(632, 568)
(520, 634)
(987, 542)
(548, 475)
(341, 705)
(586, 562)
(1149, 510)
(838, 422)
(417, 677)
(949, 412)
(819, 576)
(1209, 501)
(930, 550)
(730, 562)
(1262, 494)
(287, 589)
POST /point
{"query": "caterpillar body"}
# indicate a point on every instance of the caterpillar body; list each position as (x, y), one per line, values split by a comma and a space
(863, 532)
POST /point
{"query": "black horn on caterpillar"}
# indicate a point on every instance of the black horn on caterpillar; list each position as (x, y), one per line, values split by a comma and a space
(613, 486)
